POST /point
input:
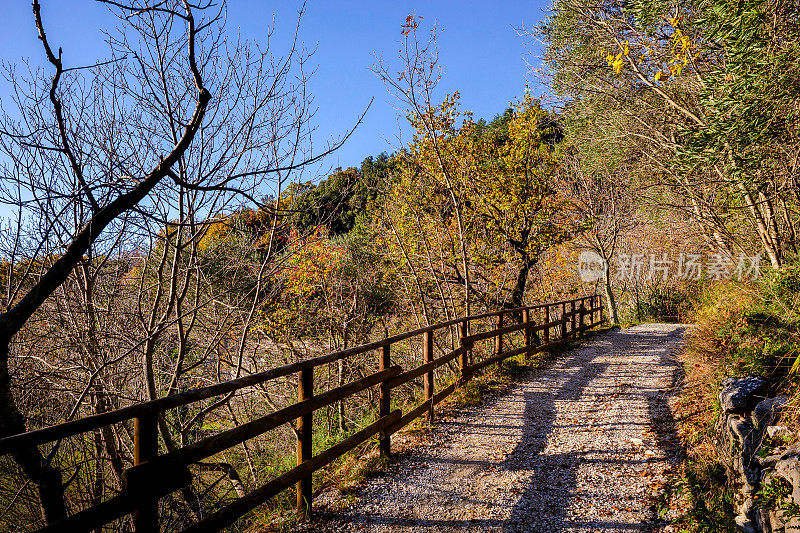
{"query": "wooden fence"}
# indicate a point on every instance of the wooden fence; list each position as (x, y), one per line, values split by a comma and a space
(155, 475)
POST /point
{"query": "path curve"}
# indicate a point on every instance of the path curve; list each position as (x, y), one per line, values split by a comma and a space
(584, 444)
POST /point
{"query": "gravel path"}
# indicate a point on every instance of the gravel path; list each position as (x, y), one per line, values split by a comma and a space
(585, 443)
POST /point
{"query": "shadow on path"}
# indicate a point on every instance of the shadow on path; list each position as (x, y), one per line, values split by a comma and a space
(545, 501)
(580, 416)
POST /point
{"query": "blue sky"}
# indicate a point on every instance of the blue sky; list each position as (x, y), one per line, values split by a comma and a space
(481, 53)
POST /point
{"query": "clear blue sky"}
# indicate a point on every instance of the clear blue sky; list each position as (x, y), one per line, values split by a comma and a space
(480, 50)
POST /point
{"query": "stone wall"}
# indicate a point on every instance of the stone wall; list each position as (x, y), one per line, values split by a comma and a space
(764, 472)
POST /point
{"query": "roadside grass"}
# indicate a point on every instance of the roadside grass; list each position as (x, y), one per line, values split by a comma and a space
(699, 499)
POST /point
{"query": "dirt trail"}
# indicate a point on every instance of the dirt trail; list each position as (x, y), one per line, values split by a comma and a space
(584, 444)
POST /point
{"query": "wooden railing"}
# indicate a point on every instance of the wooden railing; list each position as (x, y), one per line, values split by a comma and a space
(155, 475)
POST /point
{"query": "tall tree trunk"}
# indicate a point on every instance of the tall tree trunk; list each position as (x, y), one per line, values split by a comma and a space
(609, 294)
(768, 240)
(518, 294)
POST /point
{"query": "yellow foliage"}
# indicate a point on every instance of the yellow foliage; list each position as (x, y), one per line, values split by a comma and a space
(215, 233)
(682, 51)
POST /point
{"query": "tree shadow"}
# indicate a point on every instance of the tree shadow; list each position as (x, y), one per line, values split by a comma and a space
(544, 504)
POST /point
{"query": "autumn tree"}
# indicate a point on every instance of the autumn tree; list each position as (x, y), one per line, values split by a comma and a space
(516, 194)
(414, 85)
(512, 210)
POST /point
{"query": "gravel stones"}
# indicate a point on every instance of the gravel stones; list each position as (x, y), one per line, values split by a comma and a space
(584, 444)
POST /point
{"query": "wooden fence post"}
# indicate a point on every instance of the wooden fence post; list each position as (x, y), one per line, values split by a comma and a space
(563, 320)
(498, 340)
(574, 317)
(145, 447)
(463, 361)
(384, 401)
(600, 311)
(581, 316)
(526, 320)
(546, 321)
(427, 355)
(305, 391)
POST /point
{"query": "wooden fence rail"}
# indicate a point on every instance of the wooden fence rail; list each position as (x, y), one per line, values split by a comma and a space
(154, 476)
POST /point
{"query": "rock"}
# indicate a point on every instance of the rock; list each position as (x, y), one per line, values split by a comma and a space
(745, 525)
(766, 520)
(769, 460)
(748, 418)
(741, 442)
(741, 394)
(778, 432)
(768, 411)
(740, 427)
(746, 507)
(789, 469)
(791, 451)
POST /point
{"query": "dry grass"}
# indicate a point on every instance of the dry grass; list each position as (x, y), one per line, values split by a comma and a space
(699, 502)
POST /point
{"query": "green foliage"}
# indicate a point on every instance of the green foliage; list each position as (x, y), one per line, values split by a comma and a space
(495, 131)
(647, 13)
(773, 495)
(758, 335)
(340, 201)
(780, 289)
(709, 503)
(670, 302)
(750, 96)
(701, 96)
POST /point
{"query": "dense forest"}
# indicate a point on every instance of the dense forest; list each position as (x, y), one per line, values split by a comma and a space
(160, 240)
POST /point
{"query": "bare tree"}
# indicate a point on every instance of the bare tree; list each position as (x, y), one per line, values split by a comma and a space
(607, 202)
(115, 173)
